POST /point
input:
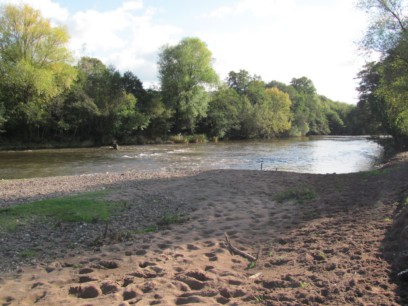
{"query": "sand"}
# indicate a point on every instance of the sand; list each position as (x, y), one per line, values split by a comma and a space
(344, 247)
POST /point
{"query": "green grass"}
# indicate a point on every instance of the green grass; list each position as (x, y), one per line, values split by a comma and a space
(376, 172)
(258, 299)
(146, 230)
(169, 219)
(296, 194)
(86, 207)
(304, 285)
(251, 265)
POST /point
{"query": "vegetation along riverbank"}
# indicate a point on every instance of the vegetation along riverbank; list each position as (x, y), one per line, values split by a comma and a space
(46, 100)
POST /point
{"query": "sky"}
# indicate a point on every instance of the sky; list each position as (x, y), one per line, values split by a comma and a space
(274, 39)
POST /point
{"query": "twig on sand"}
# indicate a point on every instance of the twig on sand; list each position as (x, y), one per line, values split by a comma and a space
(105, 233)
(237, 251)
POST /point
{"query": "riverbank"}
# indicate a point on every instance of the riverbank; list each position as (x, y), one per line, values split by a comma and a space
(321, 239)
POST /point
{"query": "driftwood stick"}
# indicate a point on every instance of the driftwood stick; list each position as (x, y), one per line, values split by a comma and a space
(237, 251)
(105, 233)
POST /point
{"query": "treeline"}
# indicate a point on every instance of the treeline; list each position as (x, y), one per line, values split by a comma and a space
(383, 102)
(45, 98)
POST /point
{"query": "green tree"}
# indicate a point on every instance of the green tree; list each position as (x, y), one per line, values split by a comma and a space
(222, 118)
(117, 116)
(273, 114)
(34, 67)
(309, 113)
(185, 72)
(384, 85)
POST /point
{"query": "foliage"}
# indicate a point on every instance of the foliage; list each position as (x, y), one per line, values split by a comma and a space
(384, 84)
(34, 67)
(44, 98)
(222, 117)
(87, 207)
(184, 71)
(388, 21)
(297, 194)
(169, 219)
(275, 116)
(179, 138)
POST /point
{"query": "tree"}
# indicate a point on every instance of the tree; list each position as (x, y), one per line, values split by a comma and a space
(134, 86)
(185, 71)
(117, 116)
(372, 108)
(309, 113)
(222, 118)
(34, 66)
(384, 85)
(273, 115)
(388, 22)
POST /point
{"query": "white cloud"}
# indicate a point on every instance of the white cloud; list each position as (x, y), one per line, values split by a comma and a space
(258, 8)
(132, 5)
(277, 39)
(48, 8)
(312, 41)
(125, 37)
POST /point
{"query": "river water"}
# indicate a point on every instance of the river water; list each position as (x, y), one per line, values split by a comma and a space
(307, 154)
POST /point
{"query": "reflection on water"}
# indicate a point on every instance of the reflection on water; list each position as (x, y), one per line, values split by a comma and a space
(308, 154)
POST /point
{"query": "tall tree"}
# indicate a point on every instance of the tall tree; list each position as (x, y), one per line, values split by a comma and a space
(34, 66)
(384, 85)
(273, 114)
(185, 72)
(222, 118)
(309, 113)
(388, 22)
(117, 116)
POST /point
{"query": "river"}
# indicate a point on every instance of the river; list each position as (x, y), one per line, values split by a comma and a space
(323, 154)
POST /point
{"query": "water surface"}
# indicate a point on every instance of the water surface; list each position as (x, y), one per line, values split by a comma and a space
(307, 154)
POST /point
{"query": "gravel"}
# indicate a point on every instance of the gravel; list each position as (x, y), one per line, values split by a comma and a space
(139, 208)
(21, 191)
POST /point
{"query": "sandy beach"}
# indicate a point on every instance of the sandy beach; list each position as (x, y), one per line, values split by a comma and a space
(344, 246)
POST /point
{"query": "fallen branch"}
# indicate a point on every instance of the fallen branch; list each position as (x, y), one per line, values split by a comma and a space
(105, 233)
(237, 251)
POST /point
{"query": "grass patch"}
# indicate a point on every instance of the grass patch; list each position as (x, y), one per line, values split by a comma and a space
(297, 194)
(28, 253)
(169, 219)
(86, 207)
(304, 285)
(146, 230)
(376, 172)
(259, 299)
(251, 265)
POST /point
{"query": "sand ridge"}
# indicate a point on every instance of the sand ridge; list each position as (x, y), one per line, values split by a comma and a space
(331, 250)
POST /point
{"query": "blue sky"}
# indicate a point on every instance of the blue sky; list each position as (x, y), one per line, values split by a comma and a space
(276, 39)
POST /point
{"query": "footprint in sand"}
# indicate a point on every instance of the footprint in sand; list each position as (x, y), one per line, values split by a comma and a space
(140, 252)
(211, 256)
(108, 287)
(209, 244)
(192, 247)
(85, 271)
(86, 279)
